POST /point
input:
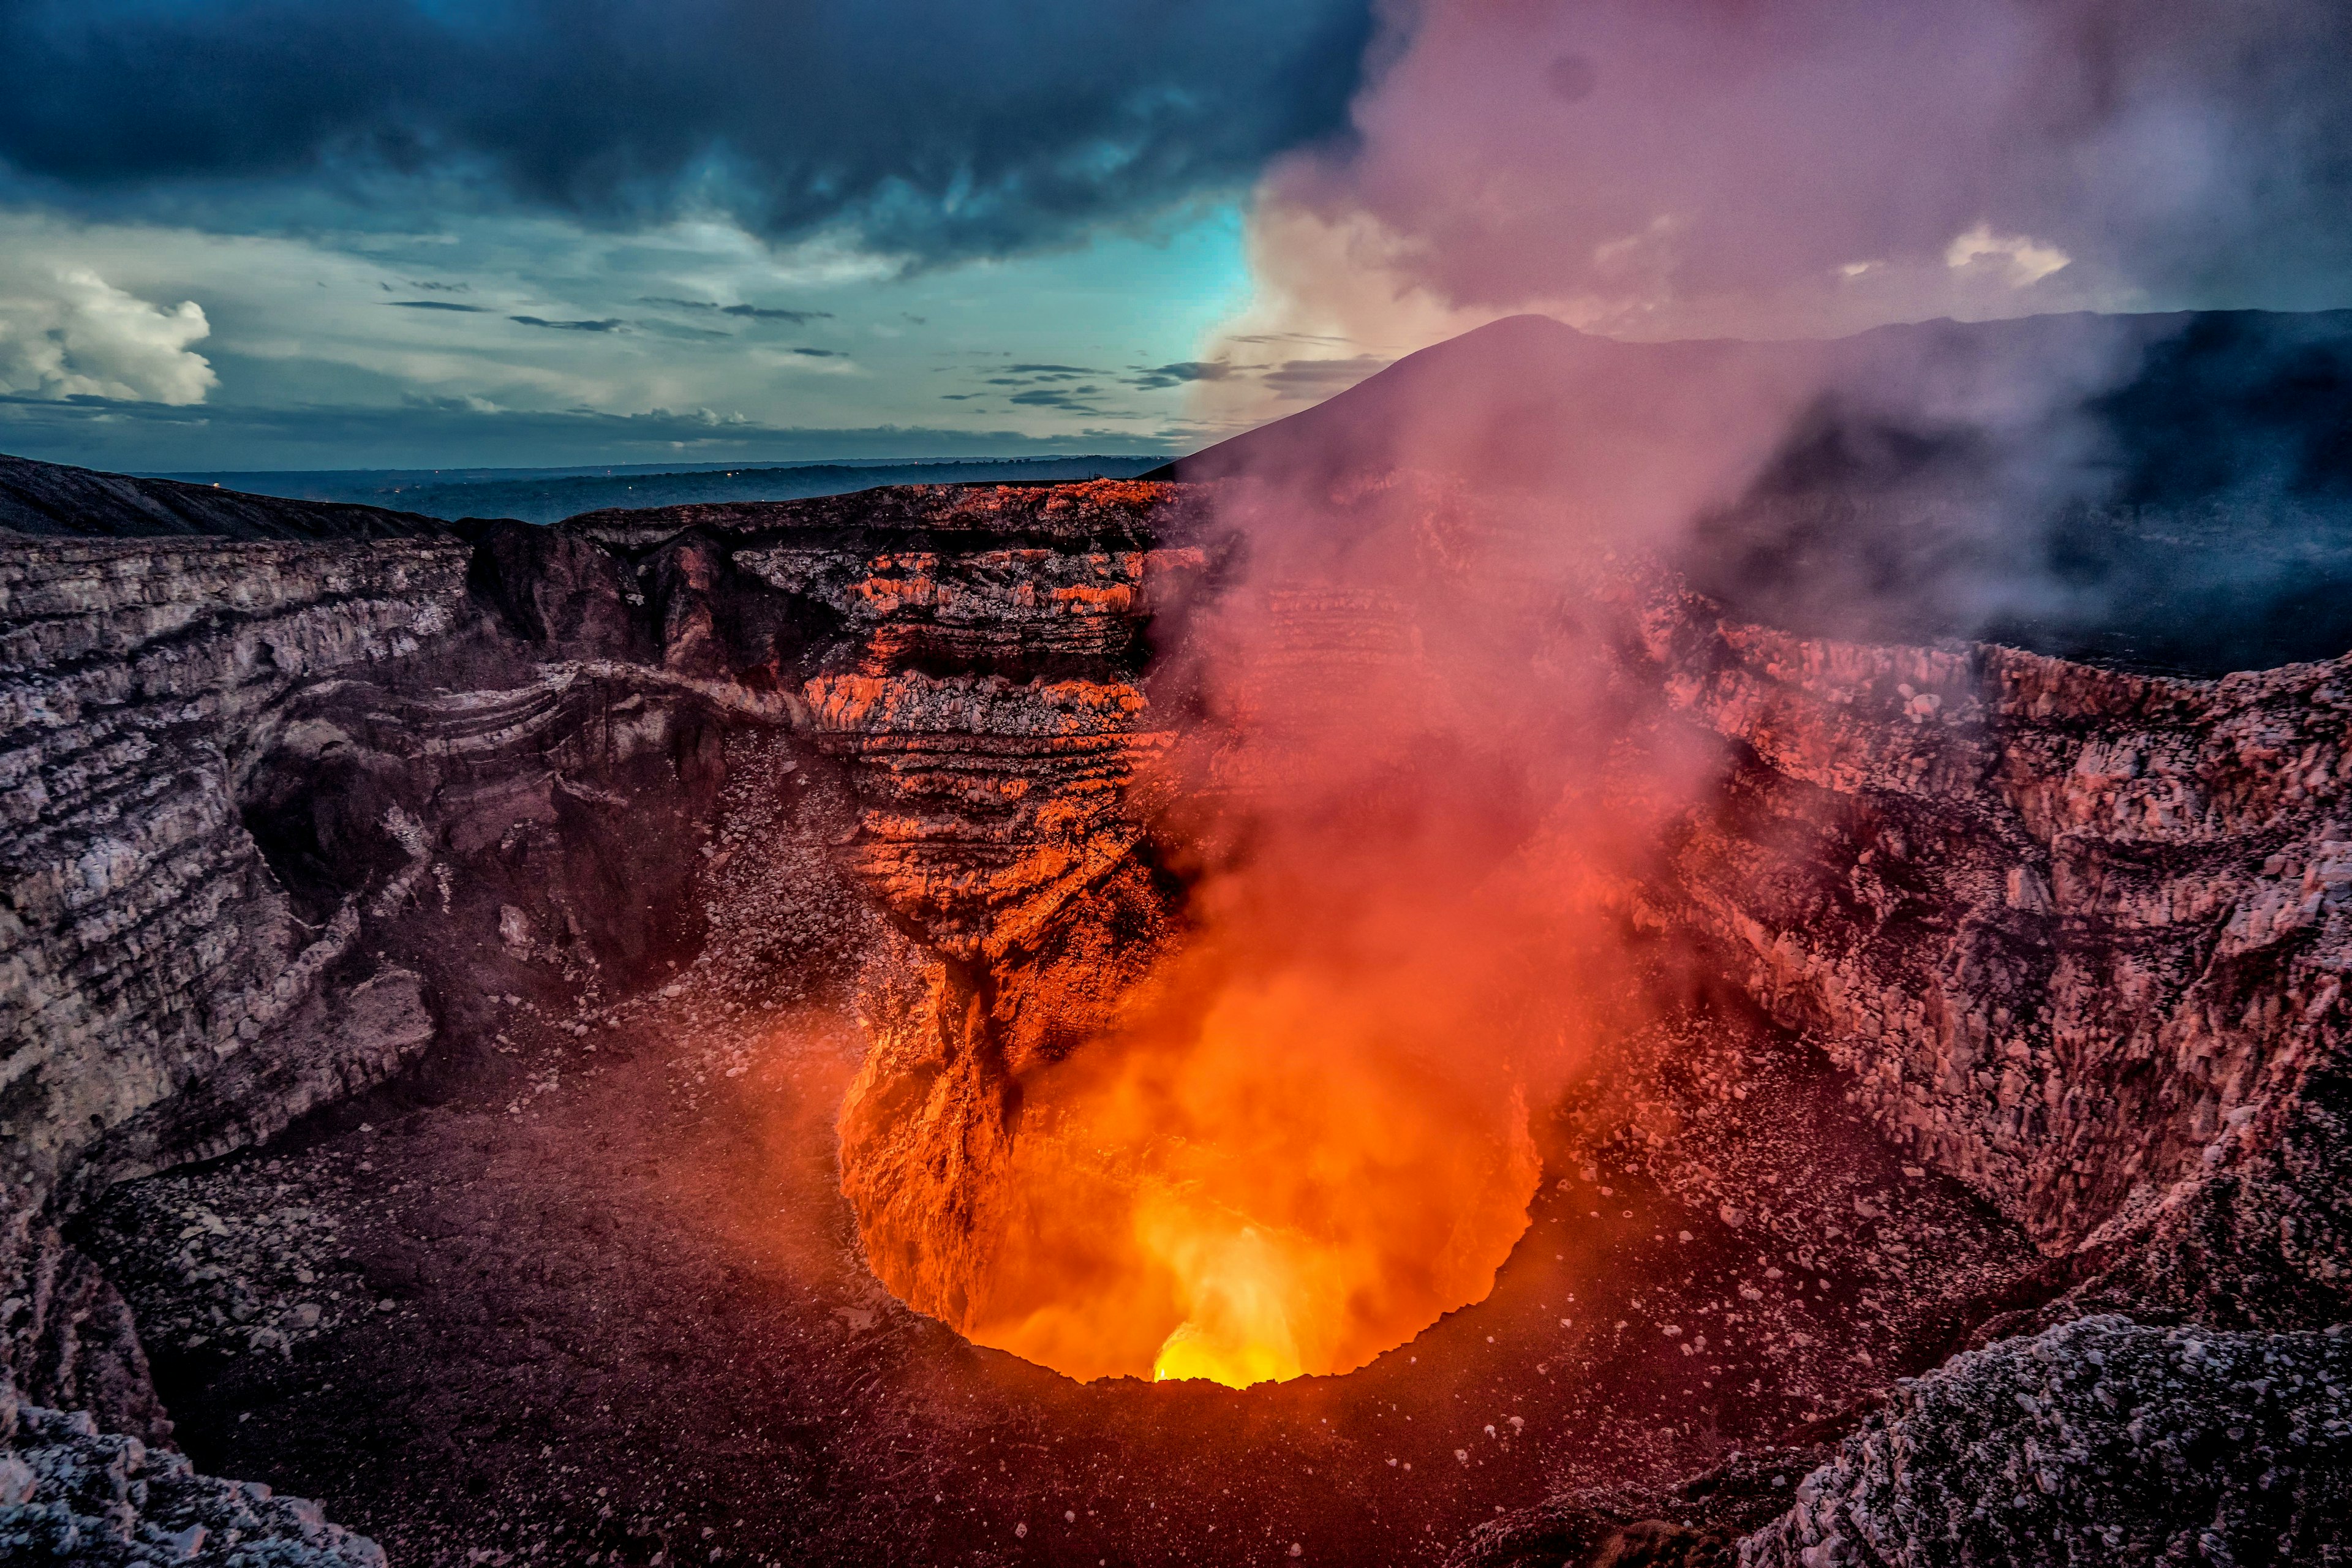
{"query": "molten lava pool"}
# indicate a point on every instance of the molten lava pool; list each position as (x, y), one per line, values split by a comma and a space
(1275, 1164)
(1249, 1215)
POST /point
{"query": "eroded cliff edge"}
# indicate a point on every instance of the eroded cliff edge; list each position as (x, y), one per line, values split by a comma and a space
(2081, 936)
(279, 811)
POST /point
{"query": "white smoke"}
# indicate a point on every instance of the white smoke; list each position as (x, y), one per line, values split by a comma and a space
(68, 332)
(1807, 168)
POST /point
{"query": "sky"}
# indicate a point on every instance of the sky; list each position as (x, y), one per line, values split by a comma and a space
(287, 233)
(296, 234)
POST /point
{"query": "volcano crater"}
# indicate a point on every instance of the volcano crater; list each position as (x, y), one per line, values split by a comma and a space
(598, 978)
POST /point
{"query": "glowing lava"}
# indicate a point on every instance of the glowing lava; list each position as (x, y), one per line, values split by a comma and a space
(1240, 1287)
(1290, 1183)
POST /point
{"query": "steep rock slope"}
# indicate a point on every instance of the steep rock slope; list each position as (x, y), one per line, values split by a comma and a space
(2100, 1441)
(2082, 936)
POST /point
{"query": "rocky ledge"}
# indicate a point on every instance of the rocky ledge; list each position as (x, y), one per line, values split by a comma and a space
(70, 1493)
(2100, 1441)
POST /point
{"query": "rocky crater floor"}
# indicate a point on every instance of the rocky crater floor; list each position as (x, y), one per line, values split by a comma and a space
(489, 1008)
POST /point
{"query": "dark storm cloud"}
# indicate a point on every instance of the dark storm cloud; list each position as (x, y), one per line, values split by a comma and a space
(684, 334)
(1040, 375)
(435, 305)
(1075, 399)
(748, 312)
(608, 325)
(819, 354)
(1157, 378)
(934, 129)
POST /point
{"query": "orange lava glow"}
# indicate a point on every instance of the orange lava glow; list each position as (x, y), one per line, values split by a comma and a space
(1283, 1167)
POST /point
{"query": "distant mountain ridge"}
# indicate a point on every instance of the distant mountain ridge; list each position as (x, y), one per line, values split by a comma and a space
(2173, 492)
(551, 495)
(54, 501)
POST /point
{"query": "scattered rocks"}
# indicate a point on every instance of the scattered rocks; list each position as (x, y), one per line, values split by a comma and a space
(251, 1267)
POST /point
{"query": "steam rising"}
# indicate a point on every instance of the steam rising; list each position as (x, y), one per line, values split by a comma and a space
(1428, 764)
(1816, 167)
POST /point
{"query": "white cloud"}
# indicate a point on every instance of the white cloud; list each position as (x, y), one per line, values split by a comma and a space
(2021, 261)
(68, 332)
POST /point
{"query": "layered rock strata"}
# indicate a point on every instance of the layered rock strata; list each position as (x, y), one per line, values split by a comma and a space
(2082, 936)
(994, 724)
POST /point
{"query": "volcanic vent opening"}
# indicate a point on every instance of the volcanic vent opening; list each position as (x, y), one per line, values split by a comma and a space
(1239, 1088)
(1271, 1170)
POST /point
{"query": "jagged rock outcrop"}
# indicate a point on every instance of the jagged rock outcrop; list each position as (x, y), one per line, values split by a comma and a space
(70, 1493)
(2101, 1441)
(2081, 935)
(992, 715)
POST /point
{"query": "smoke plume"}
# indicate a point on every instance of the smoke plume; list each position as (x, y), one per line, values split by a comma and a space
(1429, 763)
(1723, 168)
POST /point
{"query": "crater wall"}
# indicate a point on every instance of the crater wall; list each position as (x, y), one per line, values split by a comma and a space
(278, 814)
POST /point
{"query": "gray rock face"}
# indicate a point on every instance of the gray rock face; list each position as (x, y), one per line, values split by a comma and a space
(2082, 936)
(2102, 1441)
(147, 940)
(67, 1338)
(69, 1493)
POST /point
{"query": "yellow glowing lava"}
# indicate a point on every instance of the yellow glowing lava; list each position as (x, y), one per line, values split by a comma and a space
(1240, 1288)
